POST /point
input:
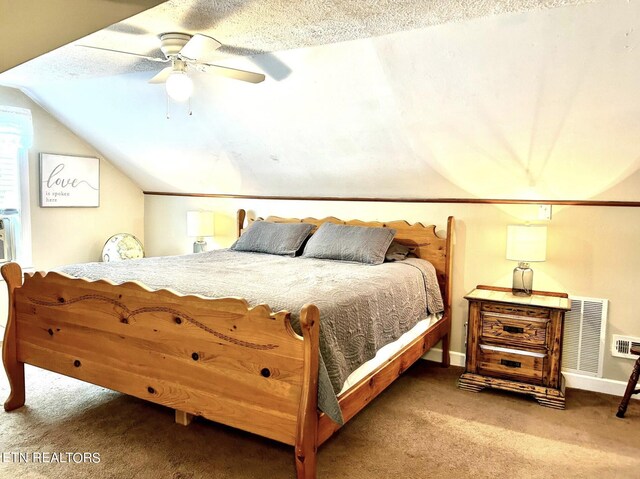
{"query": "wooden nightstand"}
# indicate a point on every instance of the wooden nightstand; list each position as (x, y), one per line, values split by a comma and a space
(515, 343)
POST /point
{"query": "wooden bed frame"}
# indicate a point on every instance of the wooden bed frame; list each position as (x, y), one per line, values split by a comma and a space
(217, 358)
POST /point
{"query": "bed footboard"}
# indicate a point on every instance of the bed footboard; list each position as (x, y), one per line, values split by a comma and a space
(216, 358)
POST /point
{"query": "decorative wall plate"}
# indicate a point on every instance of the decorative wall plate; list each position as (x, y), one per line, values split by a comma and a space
(122, 246)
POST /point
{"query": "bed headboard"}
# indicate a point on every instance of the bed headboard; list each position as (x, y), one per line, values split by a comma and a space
(429, 246)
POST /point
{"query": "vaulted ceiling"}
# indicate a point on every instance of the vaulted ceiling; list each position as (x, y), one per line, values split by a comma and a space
(376, 98)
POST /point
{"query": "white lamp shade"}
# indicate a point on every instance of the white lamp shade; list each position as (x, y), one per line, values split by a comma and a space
(179, 86)
(527, 243)
(200, 223)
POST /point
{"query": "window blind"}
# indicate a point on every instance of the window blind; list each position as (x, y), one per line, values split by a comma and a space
(16, 137)
(9, 171)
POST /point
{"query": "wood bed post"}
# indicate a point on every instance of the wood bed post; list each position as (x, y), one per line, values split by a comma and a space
(446, 339)
(12, 274)
(306, 446)
(183, 418)
(241, 215)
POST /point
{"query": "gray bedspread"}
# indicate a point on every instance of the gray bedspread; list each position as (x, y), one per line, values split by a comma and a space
(362, 307)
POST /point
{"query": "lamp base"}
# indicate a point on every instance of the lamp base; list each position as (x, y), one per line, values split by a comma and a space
(522, 280)
(199, 246)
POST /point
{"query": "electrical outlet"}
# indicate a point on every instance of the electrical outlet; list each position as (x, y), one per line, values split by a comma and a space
(544, 212)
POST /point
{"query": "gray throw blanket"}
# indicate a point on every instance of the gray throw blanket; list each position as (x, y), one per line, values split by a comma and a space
(362, 307)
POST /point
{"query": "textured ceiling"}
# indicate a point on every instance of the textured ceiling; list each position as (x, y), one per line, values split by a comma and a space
(249, 27)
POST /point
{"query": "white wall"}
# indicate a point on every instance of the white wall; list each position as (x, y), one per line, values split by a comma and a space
(73, 235)
(592, 251)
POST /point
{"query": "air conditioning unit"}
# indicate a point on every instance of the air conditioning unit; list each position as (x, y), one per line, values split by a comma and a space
(584, 336)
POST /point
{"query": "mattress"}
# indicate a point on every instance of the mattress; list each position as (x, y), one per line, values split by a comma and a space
(388, 351)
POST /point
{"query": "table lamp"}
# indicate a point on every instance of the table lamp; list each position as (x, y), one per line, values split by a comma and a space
(525, 244)
(199, 225)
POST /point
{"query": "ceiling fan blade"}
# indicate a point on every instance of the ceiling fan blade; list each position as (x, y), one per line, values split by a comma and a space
(153, 59)
(162, 76)
(265, 61)
(200, 47)
(234, 73)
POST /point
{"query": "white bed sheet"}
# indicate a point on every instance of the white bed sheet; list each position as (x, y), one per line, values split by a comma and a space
(387, 351)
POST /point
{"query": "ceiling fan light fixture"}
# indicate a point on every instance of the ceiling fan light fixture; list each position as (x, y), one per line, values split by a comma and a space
(179, 86)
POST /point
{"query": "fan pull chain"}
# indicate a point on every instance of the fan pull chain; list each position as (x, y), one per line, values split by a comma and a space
(169, 108)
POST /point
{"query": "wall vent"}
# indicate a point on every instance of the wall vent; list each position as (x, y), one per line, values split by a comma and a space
(584, 336)
(621, 346)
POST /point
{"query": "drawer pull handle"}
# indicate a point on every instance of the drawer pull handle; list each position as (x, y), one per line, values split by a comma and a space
(510, 364)
(513, 329)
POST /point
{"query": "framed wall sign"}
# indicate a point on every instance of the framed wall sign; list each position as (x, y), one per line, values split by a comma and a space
(71, 181)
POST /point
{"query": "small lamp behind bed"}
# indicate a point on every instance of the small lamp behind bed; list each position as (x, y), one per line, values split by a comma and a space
(525, 244)
(200, 225)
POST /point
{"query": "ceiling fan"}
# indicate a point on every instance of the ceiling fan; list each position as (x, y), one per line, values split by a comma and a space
(186, 51)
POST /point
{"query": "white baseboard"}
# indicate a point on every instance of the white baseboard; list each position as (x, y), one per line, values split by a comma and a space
(435, 354)
(572, 380)
(599, 385)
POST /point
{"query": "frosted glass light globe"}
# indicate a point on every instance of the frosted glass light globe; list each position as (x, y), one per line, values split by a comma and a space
(179, 86)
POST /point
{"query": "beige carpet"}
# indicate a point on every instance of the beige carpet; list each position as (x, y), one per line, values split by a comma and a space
(421, 427)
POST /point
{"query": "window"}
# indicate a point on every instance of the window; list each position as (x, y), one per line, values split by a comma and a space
(15, 139)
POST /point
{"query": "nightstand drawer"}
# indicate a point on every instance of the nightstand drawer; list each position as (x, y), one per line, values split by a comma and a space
(528, 332)
(506, 362)
(515, 310)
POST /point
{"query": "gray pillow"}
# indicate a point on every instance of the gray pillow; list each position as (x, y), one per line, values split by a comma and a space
(360, 244)
(273, 238)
